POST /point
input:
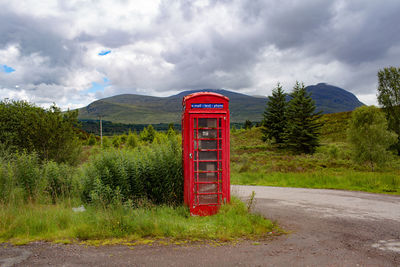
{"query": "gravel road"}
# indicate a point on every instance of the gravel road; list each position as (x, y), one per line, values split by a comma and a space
(326, 228)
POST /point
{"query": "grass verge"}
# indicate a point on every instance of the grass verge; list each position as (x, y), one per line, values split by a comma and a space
(58, 223)
(388, 183)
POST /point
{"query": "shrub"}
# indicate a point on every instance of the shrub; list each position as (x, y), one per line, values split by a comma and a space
(116, 141)
(148, 134)
(153, 172)
(106, 142)
(123, 138)
(91, 140)
(132, 140)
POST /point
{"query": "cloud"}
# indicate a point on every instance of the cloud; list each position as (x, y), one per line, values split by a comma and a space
(163, 47)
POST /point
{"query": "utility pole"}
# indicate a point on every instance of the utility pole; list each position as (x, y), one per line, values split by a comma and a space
(101, 133)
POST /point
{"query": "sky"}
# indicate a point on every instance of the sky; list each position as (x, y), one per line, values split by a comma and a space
(74, 52)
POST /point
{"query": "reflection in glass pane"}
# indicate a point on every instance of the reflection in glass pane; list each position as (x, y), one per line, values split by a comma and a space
(208, 177)
(207, 188)
(208, 199)
(207, 122)
(207, 133)
(208, 155)
(208, 144)
(208, 166)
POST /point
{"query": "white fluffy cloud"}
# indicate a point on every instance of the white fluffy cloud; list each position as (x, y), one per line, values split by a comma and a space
(163, 47)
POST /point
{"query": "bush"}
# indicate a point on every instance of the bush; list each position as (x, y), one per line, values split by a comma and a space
(91, 140)
(49, 132)
(148, 134)
(153, 172)
(116, 141)
(132, 140)
(106, 142)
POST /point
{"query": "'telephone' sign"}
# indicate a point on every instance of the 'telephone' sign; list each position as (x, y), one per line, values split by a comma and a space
(203, 105)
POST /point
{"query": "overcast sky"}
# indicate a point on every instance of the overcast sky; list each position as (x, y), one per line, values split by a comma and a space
(74, 52)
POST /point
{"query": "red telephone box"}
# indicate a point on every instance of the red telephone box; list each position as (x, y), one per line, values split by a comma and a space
(205, 149)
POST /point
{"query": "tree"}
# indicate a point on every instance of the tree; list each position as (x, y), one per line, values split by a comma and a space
(274, 116)
(132, 141)
(91, 140)
(148, 134)
(302, 128)
(369, 136)
(116, 141)
(247, 125)
(389, 99)
(49, 132)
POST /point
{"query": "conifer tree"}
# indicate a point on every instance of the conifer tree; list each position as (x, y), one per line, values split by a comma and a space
(248, 125)
(274, 116)
(302, 128)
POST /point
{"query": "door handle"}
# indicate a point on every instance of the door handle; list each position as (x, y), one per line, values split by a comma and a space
(190, 155)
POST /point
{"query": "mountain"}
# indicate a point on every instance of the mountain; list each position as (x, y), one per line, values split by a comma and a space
(332, 99)
(141, 109)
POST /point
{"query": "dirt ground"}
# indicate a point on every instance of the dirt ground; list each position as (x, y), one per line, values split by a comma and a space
(326, 228)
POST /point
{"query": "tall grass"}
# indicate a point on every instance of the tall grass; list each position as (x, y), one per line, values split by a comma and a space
(52, 222)
(23, 177)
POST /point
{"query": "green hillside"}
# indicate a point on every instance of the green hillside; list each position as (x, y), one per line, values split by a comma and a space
(140, 109)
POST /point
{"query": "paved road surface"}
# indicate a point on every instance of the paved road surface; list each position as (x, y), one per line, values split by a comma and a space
(327, 228)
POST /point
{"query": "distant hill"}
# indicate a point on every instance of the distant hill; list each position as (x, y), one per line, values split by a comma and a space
(141, 109)
(332, 99)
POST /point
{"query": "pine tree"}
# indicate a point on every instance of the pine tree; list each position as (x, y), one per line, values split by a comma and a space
(274, 116)
(302, 129)
(248, 125)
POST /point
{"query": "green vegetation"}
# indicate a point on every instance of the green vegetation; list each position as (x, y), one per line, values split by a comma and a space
(129, 192)
(292, 125)
(248, 124)
(111, 128)
(369, 137)
(389, 98)
(254, 162)
(152, 172)
(48, 132)
(302, 128)
(274, 122)
(29, 222)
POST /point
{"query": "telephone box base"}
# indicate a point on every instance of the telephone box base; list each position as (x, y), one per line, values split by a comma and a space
(204, 210)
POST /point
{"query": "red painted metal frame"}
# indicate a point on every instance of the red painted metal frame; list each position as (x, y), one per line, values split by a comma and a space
(188, 150)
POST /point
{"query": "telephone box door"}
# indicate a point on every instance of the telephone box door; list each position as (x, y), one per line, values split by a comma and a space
(208, 162)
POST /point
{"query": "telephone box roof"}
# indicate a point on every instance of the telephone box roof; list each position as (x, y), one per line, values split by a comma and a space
(198, 94)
